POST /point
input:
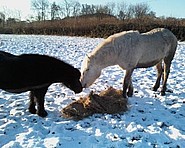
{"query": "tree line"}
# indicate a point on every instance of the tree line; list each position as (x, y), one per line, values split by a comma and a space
(46, 11)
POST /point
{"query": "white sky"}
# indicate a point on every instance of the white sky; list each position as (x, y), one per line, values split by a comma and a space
(13, 7)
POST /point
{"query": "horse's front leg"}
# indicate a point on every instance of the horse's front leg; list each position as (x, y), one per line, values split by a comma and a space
(130, 89)
(39, 95)
(127, 83)
(32, 103)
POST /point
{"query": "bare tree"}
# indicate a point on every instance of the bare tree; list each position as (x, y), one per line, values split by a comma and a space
(76, 8)
(130, 11)
(41, 7)
(141, 10)
(2, 19)
(67, 7)
(102, 9)
(122, 9)
(152, 14)
(88, 9)
(9, 13)
(111, 6)
(54, 11)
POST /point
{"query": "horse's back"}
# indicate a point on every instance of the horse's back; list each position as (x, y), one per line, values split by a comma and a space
(6, 56)
(161, 34)
(146, 49)
(156, 45)
(26, 70)
(39, 58)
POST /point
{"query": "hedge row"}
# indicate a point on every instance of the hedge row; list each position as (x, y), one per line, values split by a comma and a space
(93, 28)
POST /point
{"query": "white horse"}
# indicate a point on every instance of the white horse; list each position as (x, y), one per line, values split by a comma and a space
(132, 50)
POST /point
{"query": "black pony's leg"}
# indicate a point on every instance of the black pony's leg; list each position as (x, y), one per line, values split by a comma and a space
(159, 74)
(127, 81)
(39, 95)
(32, 103)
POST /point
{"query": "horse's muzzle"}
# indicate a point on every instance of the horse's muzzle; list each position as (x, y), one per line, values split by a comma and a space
(78, 87)
(78, 90)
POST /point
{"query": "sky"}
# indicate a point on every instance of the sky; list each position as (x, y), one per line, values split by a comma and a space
(167, 8)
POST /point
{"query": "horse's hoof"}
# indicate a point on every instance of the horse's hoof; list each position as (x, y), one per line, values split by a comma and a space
(162, 93)
(42, 113)
(130, 94)
(32, 110)
(124, 96)
(154, 89)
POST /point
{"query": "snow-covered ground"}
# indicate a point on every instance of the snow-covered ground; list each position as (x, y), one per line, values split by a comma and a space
(152, 121)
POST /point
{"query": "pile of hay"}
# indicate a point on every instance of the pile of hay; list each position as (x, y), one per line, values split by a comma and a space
(109, 101)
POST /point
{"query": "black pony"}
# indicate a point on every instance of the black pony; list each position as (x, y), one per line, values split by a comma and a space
(35, 73)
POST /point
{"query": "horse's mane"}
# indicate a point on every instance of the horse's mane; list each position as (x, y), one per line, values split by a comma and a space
(107, 42)
(154, 31)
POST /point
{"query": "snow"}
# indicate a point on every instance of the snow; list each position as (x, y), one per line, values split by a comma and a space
(151, 121)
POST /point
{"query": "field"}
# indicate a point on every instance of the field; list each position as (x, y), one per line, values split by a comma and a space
(152, 121)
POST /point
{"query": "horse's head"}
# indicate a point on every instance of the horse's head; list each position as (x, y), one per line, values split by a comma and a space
(90, 72)
(72, 81)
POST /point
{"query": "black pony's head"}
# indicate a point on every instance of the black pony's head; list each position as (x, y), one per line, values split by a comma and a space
(72, 80)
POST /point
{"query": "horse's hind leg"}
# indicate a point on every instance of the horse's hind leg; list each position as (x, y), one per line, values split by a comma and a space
(167, 64)
(159, 75)
(32, 103)
(38, 95)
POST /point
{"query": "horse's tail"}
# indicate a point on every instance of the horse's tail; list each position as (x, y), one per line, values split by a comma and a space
(172, 42)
